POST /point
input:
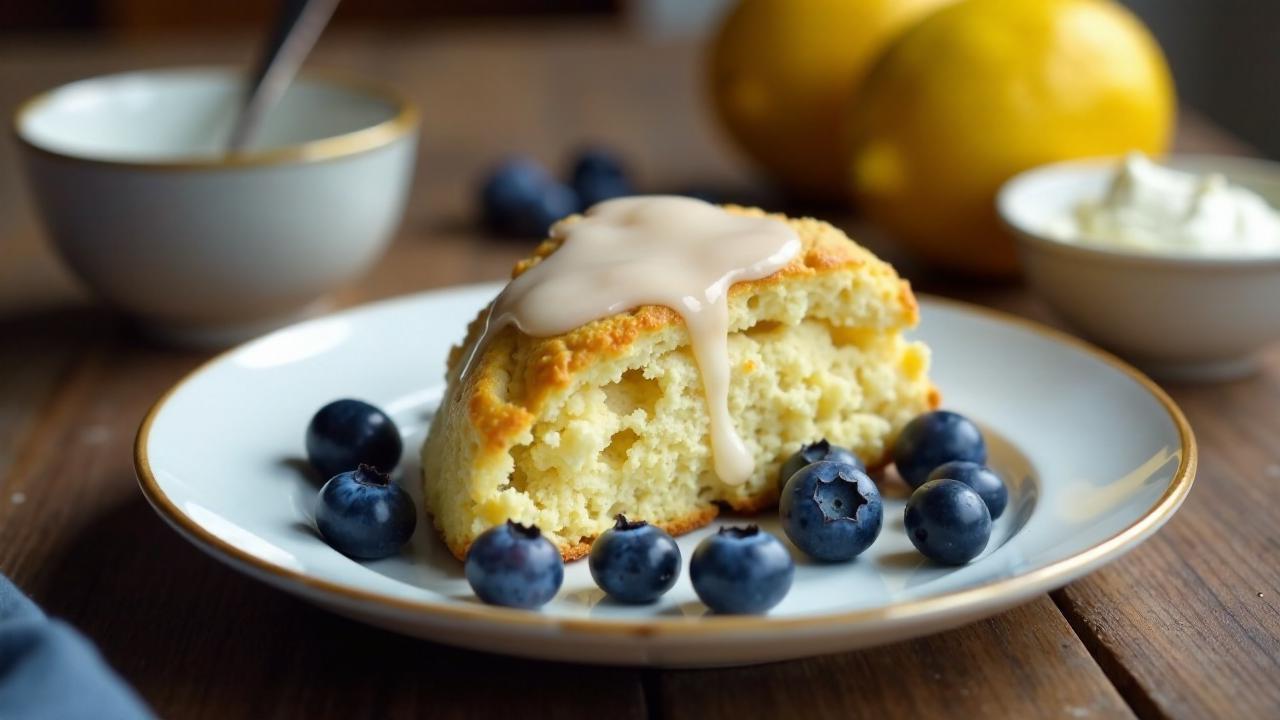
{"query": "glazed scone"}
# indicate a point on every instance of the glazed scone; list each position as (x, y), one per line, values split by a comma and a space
(566, 432)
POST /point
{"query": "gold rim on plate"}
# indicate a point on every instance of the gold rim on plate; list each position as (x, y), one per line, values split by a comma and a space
(1052, 575)
(403, 121)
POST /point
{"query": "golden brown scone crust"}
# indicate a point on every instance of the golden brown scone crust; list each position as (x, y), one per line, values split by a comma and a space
(516, 378)
(555, 360)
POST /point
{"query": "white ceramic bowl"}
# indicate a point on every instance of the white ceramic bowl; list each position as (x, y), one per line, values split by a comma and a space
(142, 203)
(1179, 316)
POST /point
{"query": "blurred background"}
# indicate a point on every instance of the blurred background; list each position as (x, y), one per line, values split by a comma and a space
(1223, 52)
(859, 112)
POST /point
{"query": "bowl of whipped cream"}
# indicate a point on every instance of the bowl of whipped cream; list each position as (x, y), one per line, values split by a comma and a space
(1174, 264)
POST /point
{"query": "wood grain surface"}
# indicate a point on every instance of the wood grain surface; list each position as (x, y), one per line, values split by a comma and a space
(1187, 626)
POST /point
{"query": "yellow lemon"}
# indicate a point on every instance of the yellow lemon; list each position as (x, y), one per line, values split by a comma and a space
(983, 89)
(782, 72)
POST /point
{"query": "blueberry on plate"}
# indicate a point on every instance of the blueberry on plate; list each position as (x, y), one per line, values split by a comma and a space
(362, 514)
(984, 481)
(816, 452)
(948, 522)
(831, 511)
(599, 175)
(741, 570)
(348, 433)
(514, 565)
(634, 562)
(933, 439)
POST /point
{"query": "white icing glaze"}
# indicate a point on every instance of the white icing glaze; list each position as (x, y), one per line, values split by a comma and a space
(653, 250)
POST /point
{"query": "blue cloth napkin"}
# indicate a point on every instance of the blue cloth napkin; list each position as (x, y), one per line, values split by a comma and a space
(50, 671)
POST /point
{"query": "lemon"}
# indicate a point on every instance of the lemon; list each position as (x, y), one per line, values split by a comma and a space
(983, 89)
(782, 72)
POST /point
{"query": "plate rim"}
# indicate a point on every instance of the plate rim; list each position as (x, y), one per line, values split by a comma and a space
(1052, 575)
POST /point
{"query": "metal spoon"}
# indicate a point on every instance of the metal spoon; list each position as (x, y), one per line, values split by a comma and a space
(292, 37)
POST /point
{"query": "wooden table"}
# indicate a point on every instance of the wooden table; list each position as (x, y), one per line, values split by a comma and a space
(1186, 626)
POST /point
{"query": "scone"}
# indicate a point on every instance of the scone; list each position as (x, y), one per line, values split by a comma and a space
(567, 432)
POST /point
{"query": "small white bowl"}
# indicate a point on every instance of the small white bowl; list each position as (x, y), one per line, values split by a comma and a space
(1180, 316)
(130, 175)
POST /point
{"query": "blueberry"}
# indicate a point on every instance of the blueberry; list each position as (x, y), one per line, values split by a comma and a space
(519, 198)
(556, 201)
(741, 570)
(816, 452)
(514, 565)
(599, 189)
(362, 514)
(598, 175)
(634, 562)
(948, 522)
(933, 439)
(984, 481)
(511, 186)
(347, 433)
(831, 511)
(597, 161)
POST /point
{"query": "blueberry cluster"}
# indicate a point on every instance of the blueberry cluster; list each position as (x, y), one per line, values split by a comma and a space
(737, 570)
(520, 198)
(831, 510)
(634, 562)
(514, 565)
(948, 518)
(360, 511)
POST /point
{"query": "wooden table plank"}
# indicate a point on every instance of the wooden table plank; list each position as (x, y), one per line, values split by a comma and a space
(1189, 624)
(1025, 663)
(40, 356)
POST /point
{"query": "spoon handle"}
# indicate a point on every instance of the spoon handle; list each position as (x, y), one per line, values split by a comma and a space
(292, 37)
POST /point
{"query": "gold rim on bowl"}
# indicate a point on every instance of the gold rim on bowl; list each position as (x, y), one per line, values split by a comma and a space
(1053, 575)
(403, 122)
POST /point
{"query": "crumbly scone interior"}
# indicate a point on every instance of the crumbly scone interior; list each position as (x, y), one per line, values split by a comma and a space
(819, 355)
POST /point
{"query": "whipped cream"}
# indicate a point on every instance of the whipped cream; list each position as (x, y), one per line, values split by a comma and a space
(1154, 208)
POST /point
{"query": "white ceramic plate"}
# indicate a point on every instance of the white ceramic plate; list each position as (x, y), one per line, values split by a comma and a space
(1098, 458)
